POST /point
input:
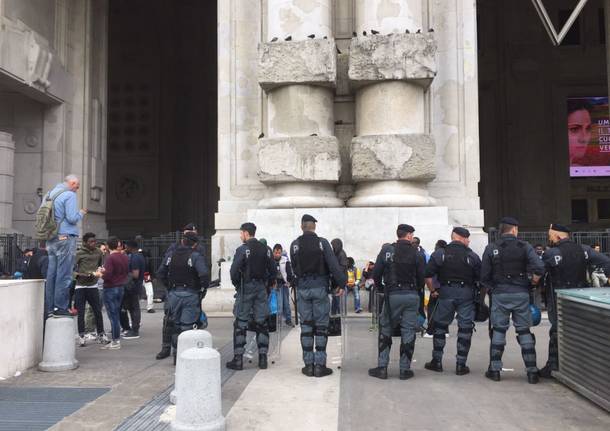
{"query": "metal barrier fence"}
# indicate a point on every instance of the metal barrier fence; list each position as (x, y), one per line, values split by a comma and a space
(541, 237)
(13, 246)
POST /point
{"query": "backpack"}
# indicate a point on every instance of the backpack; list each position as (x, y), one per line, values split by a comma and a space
(45, 226)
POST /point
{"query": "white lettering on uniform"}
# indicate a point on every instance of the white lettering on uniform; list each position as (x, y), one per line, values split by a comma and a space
(557, 260)
(496, 252)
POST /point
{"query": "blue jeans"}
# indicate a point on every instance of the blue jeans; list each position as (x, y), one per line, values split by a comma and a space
(356, 293)
(285, 292)
(113, 296)
(59, 273)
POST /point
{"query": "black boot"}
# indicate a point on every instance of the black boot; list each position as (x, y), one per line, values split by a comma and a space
(461, 369)
(321, 371)
(308, 370)
(493, 375)
(237, 363)
(164, 353)
(533, 378)
(546, 372)
(379, 372)
(406, 374)
(434, 365)
(262, 361)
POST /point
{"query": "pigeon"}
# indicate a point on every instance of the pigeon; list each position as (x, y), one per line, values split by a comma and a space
(339, 122)
(364, 33)
(338, 51)
(314, 134)
(261, 136)
(312, 36)
(325, 37)
(407, 31)
(274, 39)
(288, 39)
(374, 32)
(418, 31)
(431, 30)
(354, 34)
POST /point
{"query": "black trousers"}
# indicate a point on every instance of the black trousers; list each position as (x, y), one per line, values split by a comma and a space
(91, 296)
(131, 305)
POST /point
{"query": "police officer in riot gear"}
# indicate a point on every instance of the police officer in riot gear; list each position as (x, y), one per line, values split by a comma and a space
(457, 268)
(252, 270)
(187, 277)
(506, 268)
(400, 270)
(313, 263)
(566, 263)
(168, 325)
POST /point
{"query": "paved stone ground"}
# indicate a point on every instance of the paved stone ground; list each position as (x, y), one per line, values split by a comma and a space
(349, 400)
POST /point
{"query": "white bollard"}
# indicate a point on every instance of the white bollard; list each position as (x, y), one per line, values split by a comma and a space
(199, 398)
(59, 348)
(188, 340)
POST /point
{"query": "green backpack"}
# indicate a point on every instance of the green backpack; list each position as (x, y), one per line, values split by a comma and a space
(45, 226)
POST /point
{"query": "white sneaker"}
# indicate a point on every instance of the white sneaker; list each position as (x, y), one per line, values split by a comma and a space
(426, 335)
(113, 345)
(103, 339)
(81, 341)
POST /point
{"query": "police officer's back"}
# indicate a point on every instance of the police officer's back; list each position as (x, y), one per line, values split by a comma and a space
(566, 264)
(313, 263)
(252, 271)
(506, 268)
(457, 269)
(400, 270)
(187, 277)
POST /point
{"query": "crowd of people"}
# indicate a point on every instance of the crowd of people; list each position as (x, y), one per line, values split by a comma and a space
(318, 273)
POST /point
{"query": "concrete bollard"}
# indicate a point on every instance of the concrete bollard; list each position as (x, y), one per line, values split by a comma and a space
(59, 348)
(188, 340)
(199, 404)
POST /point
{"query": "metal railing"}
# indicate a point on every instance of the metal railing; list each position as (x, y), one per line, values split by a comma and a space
(13, 246)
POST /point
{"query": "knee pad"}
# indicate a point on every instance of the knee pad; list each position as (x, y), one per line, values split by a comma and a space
(321, 331)
(262, 328)
(384, 342)
(407, 349)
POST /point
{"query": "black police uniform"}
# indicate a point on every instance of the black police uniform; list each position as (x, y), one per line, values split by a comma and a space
(187, 277)
(252, 270)
(457, 268)
(313, 263)
(566, 264)
(504, 271)
(399, 272)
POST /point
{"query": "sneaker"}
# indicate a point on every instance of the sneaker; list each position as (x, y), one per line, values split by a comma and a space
(289, 323)
(426, 335)
(124, 332)
(113, 345)
(103, 339)
(81, 341)
(90, 336)
(157, 300)
(150, 310)
(131, 335)
(358, 311)
(62, 313)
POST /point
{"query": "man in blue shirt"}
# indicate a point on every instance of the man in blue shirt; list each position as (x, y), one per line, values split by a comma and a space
(62, 248)
(133, 289)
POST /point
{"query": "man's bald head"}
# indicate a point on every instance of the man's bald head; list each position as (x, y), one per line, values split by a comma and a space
(72, 182)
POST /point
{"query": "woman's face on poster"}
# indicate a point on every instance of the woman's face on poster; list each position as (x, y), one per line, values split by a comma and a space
(579, 132)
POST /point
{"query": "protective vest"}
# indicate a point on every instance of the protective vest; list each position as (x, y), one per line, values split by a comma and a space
(310, 256)
(571, 272)
(403, 264)
(257, 259)
(456, 267)
(181, 272)
(509, 258)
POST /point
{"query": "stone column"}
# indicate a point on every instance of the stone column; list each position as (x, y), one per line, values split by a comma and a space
(392, 153)
(7, 175)
(299, 158)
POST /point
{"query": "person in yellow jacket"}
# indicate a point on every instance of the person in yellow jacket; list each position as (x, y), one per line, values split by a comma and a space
(353, 283)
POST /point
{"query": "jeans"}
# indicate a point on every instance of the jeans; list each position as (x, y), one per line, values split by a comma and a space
(285, 292)
(90, 295)
(356, 292)
(113, 296)
(59, 274)
(131, 305)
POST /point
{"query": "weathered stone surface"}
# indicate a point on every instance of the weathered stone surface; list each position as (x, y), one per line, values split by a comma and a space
(393, 157)
(406, 57)
(311, 61)
(299, 159)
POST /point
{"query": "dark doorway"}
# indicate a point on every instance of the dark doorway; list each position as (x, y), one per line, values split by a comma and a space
(524, 85)
(162, 116)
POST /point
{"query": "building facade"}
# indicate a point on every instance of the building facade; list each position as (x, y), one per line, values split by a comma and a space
(446, 112)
